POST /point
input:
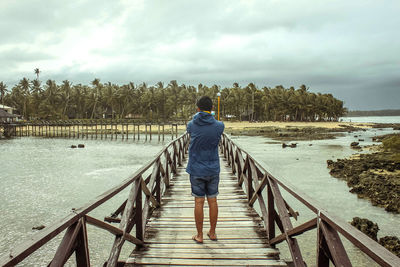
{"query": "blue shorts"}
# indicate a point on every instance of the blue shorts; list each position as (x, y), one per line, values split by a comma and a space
(204, 186)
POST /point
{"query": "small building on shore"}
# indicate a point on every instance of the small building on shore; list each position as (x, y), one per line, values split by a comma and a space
(7, 117)
(7, 109)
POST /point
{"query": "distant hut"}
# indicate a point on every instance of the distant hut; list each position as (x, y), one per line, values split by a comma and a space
(7, 109)
(7, 117)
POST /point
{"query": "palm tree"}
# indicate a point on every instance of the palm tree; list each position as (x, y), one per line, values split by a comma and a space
(65, 95)
(96, 84)
(25, 87)
(37, 71)
(3, 91)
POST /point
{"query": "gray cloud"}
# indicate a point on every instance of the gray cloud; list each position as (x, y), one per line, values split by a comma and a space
(347, 48)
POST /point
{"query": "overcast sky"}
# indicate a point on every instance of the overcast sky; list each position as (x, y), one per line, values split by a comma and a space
(348, 48)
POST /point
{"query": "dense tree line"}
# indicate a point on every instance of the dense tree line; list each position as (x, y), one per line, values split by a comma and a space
(172, 101)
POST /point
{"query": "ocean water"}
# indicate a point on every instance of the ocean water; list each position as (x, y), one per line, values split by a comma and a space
(305, 167)
(376, 119)
(41, 180)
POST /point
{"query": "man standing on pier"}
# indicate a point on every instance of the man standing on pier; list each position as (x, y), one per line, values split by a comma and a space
(203, 166)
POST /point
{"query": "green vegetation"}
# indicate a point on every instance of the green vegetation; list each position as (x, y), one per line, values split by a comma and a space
(392, 143)
(159, 102)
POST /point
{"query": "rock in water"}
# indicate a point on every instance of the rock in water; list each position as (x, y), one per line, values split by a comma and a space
(391, 243)
(40, 227)
(81, 145)
(284, 145)
(355, 145)
(366, 226)
(73, 146)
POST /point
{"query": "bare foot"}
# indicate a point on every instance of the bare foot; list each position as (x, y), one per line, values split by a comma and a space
(212, 237)
(197, 239)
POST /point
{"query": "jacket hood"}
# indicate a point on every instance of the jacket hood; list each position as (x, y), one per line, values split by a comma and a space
(203, 118)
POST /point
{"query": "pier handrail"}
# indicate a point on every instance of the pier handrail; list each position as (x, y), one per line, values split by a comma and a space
(134, 212)
(278, 212)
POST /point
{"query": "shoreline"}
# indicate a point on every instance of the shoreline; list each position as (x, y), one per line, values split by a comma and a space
(374, 176)
(277, 130)
(295, 131)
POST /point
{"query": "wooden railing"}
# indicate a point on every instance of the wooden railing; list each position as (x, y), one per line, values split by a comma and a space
(134, 213)
(275, 211)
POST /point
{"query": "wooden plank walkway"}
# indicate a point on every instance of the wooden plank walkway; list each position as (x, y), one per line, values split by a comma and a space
(241, 236)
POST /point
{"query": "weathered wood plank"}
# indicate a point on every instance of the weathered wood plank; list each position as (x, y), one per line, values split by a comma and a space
(335, 245)
(287, 225)
(204, 262)
(311, 224)
(113, 230)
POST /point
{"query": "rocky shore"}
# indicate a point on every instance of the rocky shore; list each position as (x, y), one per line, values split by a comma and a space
(293, 133)
(374, 176)
(391, 243)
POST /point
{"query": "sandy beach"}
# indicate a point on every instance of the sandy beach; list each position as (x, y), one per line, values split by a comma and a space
(279, 124)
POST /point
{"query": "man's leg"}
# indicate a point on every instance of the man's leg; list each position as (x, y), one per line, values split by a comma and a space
(199, 217)
(213, 206)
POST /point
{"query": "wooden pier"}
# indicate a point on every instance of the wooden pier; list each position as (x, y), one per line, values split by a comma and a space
(157, 216)
(242, 239)
(92, 129)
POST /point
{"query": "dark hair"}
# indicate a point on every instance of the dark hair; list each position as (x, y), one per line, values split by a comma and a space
(204, 103)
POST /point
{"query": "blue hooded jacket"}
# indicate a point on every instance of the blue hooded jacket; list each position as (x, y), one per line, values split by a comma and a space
(205, 132)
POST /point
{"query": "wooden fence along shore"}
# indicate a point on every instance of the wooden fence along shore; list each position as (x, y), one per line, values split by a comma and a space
(92, 129)
(160, 210)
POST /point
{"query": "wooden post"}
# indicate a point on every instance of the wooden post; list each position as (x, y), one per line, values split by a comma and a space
(150, 130)
(158, 182)
(159, 133)
(271, 214)
(134, 135)
(322, 248)
(101, 130)
(139, 215)
(116, 130)
(87, 130)
(145, 130)
(112, 136)
(127, 130)
(250, 177)
(166, 179)
(82, 248)
(163, 131)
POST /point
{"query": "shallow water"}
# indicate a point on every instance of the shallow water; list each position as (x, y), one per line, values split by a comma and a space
(376, 119)
(305, 167)
(41, 180)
